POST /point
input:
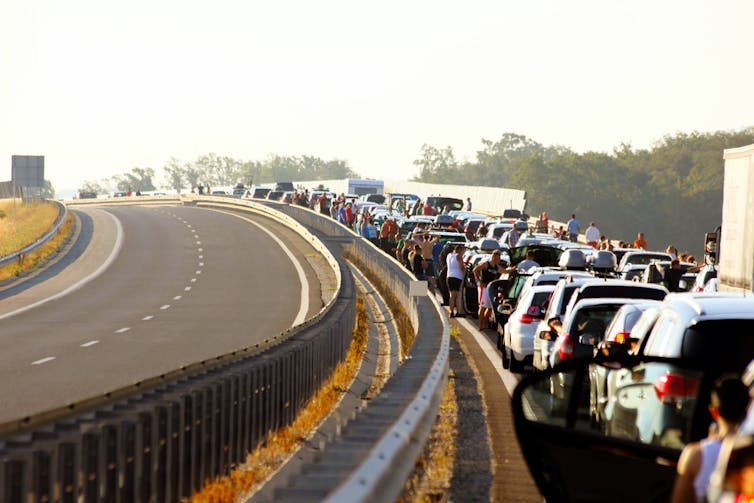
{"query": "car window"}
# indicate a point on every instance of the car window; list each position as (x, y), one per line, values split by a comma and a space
(727, 342)
(662, 341)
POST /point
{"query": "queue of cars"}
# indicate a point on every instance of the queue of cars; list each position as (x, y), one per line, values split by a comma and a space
(621, 367)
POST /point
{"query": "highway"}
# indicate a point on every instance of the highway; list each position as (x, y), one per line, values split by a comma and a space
(145, 291)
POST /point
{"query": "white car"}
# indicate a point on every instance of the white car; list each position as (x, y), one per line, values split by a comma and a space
(519, 331)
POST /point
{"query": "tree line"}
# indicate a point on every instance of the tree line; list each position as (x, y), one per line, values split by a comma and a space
(672, 191)
(215, 170)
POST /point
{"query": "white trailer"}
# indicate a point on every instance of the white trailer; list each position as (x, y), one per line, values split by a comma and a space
(736, 247)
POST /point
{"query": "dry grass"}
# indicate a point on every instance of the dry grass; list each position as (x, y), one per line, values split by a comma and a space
(29, 222)
(430, 481)
(261, 463)
(40, 255)
(400, 316)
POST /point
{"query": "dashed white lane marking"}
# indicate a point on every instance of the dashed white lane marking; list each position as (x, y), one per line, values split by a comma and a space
(304, 297)
(43, 360)
(198, 242)
(201, 257)
(89, 344)
(122, 330)
(199, 271)
(200, 249)
(193, 280)
(188, 289)
(147, 318)
(110, 259)
(201, 264)
(166, 306)
(178, 297)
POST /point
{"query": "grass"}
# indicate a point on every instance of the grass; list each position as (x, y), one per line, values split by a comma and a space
(402, 321)
(433, 472)
(263, 461)
(15, 233)
(29, 222)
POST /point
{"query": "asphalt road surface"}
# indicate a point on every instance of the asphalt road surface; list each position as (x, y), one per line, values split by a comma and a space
(143, 291)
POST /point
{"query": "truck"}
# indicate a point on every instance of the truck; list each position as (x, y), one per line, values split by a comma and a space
(733, 250)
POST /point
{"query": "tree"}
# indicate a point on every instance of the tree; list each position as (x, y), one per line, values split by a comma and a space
(139, 179)
(175, 173)
(98, 187)
(436, 165)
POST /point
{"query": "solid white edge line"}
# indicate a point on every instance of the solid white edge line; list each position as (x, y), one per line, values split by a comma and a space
(492, 355)
(304, 301)
(110, 259)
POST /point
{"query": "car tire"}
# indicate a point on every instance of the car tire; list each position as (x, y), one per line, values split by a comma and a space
(516, 366)
(506, 359)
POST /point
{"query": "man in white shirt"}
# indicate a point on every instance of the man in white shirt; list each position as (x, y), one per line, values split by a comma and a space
(592, 235)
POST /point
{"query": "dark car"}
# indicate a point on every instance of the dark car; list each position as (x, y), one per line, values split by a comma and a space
(275, 195)
(442, 203)
(284, 186)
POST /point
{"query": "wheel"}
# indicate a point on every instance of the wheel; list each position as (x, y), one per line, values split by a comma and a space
(515, 365)
(506, 357)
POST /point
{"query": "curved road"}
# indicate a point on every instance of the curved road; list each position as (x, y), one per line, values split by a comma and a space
(177, 286)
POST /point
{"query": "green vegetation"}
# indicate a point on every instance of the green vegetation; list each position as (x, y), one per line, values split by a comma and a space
(223, 170)
(672, 192)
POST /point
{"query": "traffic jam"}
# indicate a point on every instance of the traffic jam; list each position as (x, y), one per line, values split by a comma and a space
(634, 364)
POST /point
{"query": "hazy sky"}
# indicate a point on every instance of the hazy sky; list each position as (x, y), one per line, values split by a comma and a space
(100, 87)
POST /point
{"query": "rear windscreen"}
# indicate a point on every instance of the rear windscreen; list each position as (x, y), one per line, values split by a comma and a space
(729, 343)
(622, 292)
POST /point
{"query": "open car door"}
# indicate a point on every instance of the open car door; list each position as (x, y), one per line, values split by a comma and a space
(575, 459)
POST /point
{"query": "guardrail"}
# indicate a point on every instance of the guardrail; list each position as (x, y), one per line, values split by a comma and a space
(59, 221)
(160, 440)
(382, 444)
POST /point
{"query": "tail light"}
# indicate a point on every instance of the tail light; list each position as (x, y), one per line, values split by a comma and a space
(672, 388)
(525, 318)
(621, 337)
(565, 351)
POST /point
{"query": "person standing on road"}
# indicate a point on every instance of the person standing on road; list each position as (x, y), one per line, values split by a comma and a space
(671, 275)
(729, 400)
(592, 235)
(574, 227)
(388, 232)
(454, 262)
(640, 242)
(468, 204)
(485, 273)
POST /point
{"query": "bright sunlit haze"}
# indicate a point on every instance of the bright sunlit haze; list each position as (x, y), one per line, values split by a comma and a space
(99, 88)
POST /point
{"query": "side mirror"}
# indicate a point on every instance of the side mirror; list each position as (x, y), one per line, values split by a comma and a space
(612, 349)
(546, 335)
(588, 340)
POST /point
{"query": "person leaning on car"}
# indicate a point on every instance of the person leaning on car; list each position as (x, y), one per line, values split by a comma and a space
(484, 273)
(671, 275)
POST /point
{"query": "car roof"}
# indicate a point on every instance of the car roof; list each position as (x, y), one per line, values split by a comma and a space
(712, 304)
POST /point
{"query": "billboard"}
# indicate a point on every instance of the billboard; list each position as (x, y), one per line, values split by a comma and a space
(28, 170)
